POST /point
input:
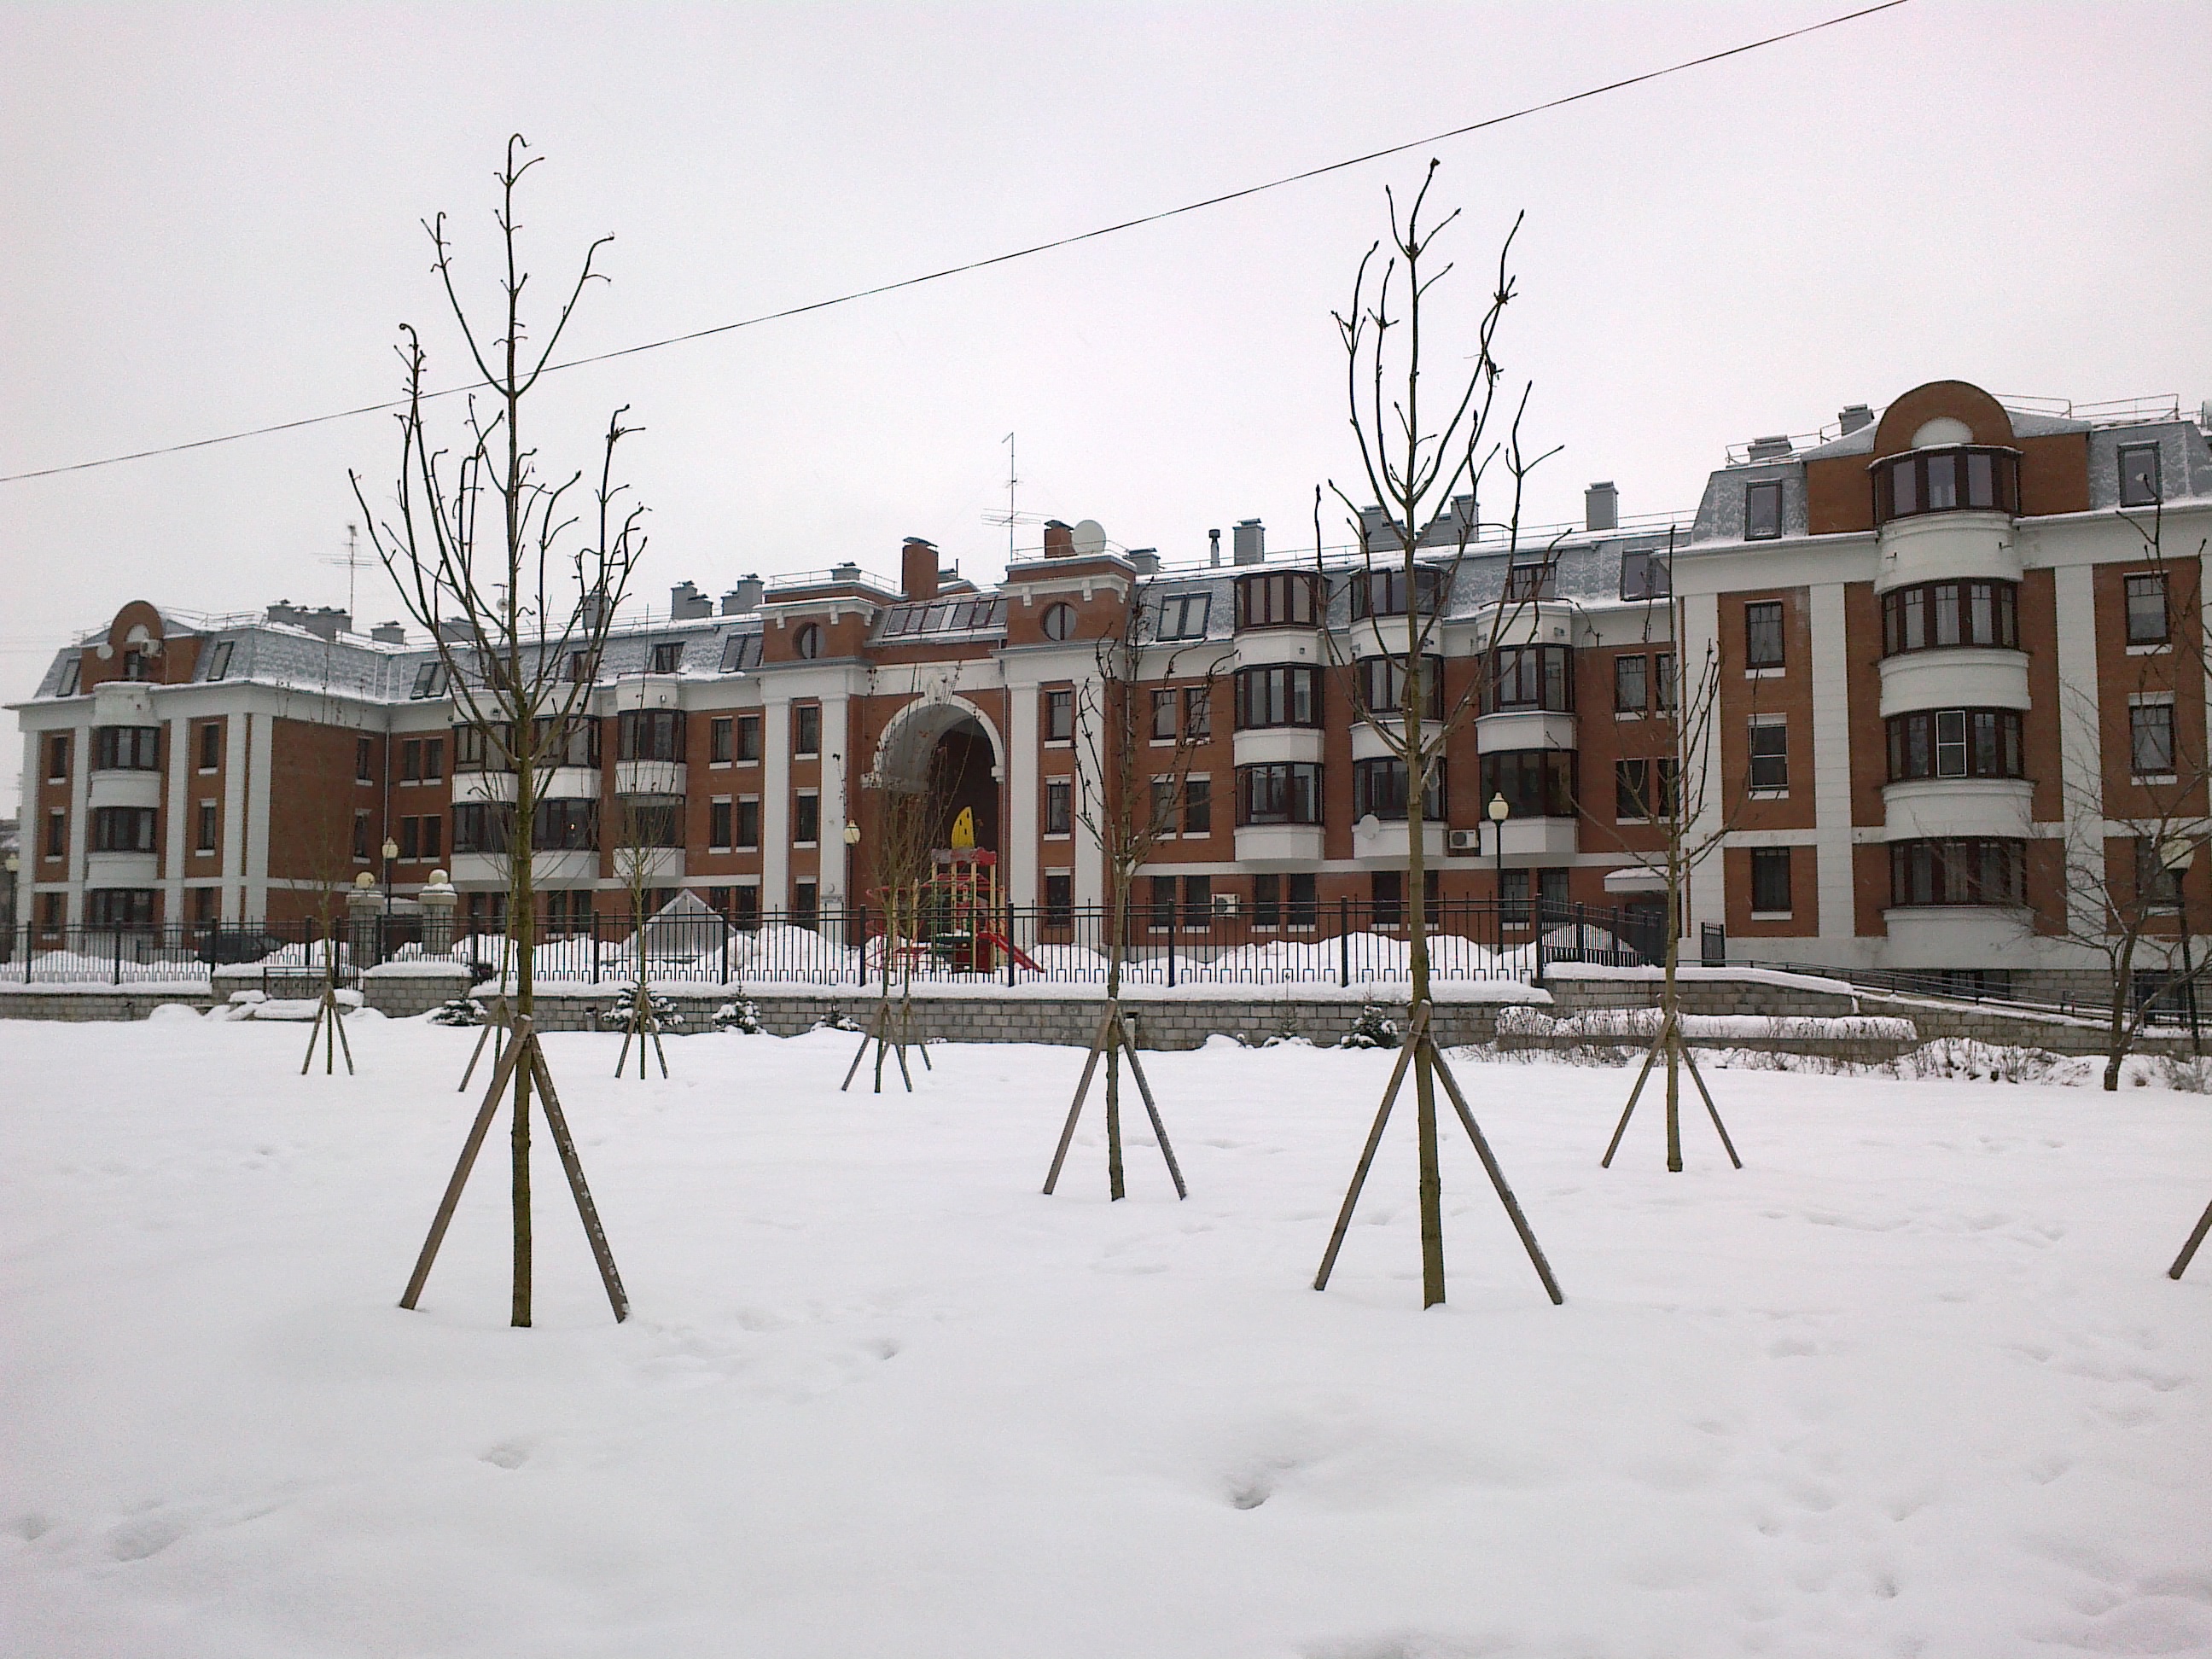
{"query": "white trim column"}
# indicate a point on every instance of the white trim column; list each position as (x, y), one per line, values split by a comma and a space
(230, 858)
(261, 747)
(1707, 897)
(775, 802)
(1090, 856)
(1023, 830)
(1831, 763)
(836, 804)
(2081, 741)
(177, 752)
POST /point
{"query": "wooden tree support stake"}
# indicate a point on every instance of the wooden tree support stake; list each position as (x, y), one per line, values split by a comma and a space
(1669, 1038)
(329, 1030)
(643, 1024)
(497, 1018)
(522, 1048)
(1114, 1036)
(2181, 1262)
(889, 1031)
(1420, 1044)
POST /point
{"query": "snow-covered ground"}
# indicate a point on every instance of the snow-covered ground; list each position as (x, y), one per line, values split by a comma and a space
(1913, 1382)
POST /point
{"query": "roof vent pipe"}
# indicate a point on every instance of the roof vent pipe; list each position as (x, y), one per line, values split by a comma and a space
(744, 596)
(686, 602)
(1601, 506)
(1251, 542)
(391, 633)
(1776, 448)
(1213, 547)
(1146, 559)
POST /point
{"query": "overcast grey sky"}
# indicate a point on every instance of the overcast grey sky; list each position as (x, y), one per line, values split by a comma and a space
(213, 214)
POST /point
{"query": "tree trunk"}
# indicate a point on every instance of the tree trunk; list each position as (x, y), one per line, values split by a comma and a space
(1116, 921)
(1669, 1012)
(1417, 941)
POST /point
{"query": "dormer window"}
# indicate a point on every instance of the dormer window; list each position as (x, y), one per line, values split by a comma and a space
(1645, 576)
(1762, 511)
(2139, 475)
(668, 656)
(1961, 478)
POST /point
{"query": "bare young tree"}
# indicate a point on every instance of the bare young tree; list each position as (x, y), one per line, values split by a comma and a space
(640, 833)
(1141, 721)
(517, 570)
(909, 818)
(1425, 473)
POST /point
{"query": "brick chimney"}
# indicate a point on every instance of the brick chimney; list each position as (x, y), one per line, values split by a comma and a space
(918, 568)
(1059, 540)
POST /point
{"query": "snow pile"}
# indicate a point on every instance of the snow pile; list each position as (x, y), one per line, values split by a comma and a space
(1912, 1382)
(1642, 1025)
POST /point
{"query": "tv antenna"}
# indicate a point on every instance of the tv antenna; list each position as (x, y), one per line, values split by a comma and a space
(1009, 518)
(352, 561)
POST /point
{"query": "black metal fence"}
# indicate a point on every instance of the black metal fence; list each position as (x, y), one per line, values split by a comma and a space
(1343, 945)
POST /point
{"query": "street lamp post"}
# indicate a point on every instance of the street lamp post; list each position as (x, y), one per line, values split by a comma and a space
(1499, 812)
(2175, 852)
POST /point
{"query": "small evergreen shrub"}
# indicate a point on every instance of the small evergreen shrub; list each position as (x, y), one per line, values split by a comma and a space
(461, 1011)
(1373, 1029)
(743, 1016)
(666, 1013)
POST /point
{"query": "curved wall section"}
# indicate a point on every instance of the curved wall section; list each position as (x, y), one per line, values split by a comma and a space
(1273, 744)
(1940, 807)
(1947, 547)
(1953, 677)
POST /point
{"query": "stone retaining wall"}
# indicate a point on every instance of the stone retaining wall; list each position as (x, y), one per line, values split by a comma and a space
(97, 1002)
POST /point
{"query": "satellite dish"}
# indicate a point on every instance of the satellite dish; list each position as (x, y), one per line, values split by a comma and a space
(1089, 539)
(1368, 828)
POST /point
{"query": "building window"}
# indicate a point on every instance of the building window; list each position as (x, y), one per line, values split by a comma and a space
(50, 912)
(1631, 684)
(219, 661)
(56, 835)
(1535, 783)
(718, 825)
(2148, 620)
(1059, 900)
(581, 669)
(719, 740)
(1962, 870)
(1266, 902)
(668, 656)
(1166, 706)
(57, 758)
(2157, 887)
(1164, 807)
(122, 829)
(1662, 682)
(411, 839)
(806, 729)
(1386, 897)
(481, 826)
(806, 904)
(748, 828)
(430, 680)
(1198, 806)
(1181, 616)
(749, 739)
(1059, 806)
(1382, 593)
(744, 907)
(573, 743)
(206, 902)
(1762, 635)
(208, 819)
(1285, 792)
(119, 907)
(1380, 683)
(1278, 696)
(1935, 614)
(1643, 789)
(1532, 677)
(137, 665)
(740, 653)
(210, 746)
(1525, 583)
(1280, 599)
(434, 759)
(364, 760)
(126, 749)
(1513, 898)
(1198, 712)
(572, 826)
(1059, 716)
(71, 671)
(1946, 481)
(1058, 621)
(1955, 743)
(2139, 482)
(433, 827)
(1378, 790)
(1762, 511)
(652, 820)
(1645, 575)
(410, 761)
(807, 643)
(2150, 739)
(1770, 881)
(653, 734)
(1769, 753)
(806, 819)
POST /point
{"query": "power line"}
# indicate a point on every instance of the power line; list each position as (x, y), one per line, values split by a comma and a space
(997, 259)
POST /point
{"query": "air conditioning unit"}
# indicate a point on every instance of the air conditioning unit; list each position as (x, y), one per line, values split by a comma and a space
(1224, 904)
(1464, 841)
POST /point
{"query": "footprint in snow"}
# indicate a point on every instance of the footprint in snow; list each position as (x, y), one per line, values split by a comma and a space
(144, 1535)
(507, 1456)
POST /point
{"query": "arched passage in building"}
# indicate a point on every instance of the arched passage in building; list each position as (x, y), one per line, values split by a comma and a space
(949, 750)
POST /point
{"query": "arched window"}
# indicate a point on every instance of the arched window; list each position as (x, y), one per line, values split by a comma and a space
(807, 642)
(1059, 622)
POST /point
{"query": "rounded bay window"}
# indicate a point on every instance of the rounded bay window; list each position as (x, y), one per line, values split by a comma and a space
(1955, 478)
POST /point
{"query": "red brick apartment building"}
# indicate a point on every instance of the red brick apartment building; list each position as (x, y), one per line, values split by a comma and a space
(1947, 655)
